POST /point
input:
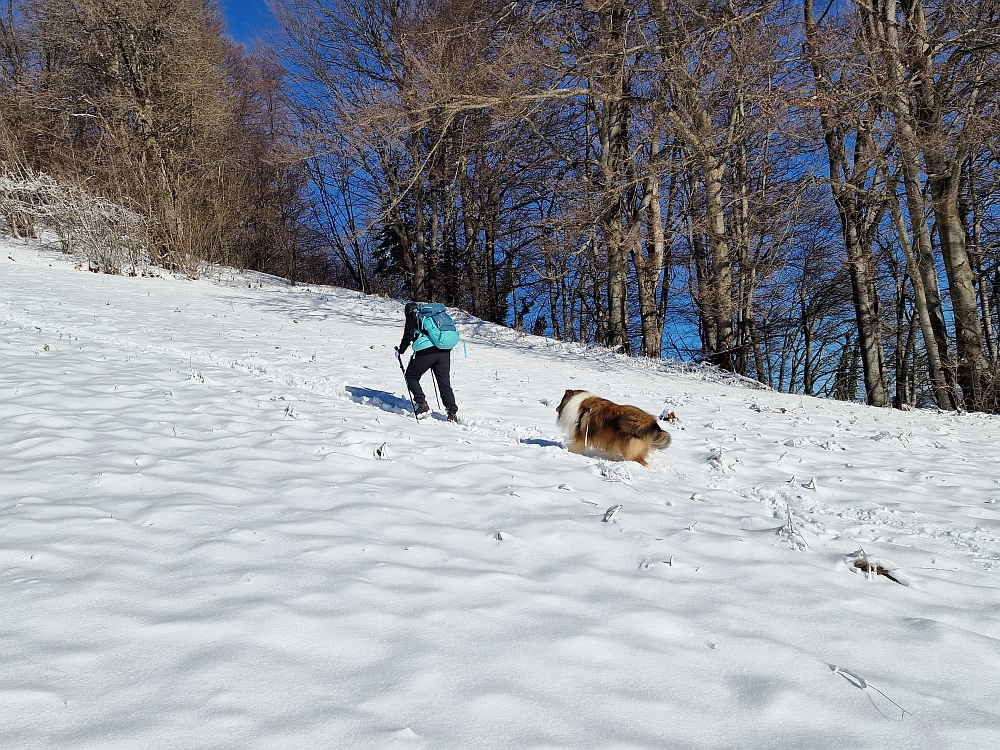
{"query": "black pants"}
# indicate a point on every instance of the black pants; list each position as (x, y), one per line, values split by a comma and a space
(438, 360)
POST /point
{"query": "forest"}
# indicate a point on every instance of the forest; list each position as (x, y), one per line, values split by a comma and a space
(805, 194)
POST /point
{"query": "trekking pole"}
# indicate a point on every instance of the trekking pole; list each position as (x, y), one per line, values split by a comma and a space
(434, 382)
(403, 370)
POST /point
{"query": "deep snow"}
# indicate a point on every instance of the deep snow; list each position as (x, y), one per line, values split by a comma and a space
(200, 546)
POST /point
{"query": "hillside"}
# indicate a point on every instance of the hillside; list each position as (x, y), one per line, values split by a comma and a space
(220, 527)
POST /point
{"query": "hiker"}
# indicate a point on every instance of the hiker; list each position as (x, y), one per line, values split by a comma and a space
(426, 356)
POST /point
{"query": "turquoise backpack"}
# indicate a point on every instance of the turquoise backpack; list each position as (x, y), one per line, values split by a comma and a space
(437, 327)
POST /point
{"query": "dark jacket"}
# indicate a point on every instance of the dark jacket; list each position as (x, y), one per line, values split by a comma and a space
(410, 328)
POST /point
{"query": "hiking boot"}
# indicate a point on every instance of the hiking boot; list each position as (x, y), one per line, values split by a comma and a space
(422, 408)
(453, 416)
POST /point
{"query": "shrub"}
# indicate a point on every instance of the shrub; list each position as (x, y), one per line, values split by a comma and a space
(110, 237)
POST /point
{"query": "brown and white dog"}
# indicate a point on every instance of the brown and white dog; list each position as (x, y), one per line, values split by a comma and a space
(625, 432)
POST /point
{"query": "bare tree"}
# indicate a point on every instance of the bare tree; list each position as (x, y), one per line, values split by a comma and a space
(850, 114)
(951, 65)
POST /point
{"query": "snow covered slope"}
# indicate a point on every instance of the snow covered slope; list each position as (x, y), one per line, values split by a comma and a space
(220, 527)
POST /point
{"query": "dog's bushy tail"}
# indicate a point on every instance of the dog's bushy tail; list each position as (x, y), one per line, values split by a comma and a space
(644, 426)
(662, 440)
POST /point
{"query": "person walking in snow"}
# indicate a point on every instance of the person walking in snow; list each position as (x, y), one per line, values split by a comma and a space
(426, 357)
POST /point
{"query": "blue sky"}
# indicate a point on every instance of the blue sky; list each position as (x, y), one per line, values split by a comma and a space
(246, 19)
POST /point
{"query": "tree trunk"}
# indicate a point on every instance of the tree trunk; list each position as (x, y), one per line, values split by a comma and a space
(648, 268)
(944, 395)
(866, 309)
(418, 284)
(848, 201)
(722, 275)
(920, 263)
(613, 114)
(701, 260)
(944, 172)
(972, 364)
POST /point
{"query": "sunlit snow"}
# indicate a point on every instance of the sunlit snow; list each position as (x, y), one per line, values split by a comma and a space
(221, 527)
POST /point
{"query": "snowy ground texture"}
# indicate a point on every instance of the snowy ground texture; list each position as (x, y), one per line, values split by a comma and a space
(220, 527)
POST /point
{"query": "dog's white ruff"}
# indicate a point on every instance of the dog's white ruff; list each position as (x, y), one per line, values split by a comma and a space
(569, 417)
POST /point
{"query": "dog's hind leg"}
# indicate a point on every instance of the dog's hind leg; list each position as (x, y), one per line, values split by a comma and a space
(636, 450)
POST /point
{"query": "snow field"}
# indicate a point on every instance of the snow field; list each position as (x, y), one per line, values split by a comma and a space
(200, 546)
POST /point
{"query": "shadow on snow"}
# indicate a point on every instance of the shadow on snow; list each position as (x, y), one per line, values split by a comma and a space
(380, 399)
